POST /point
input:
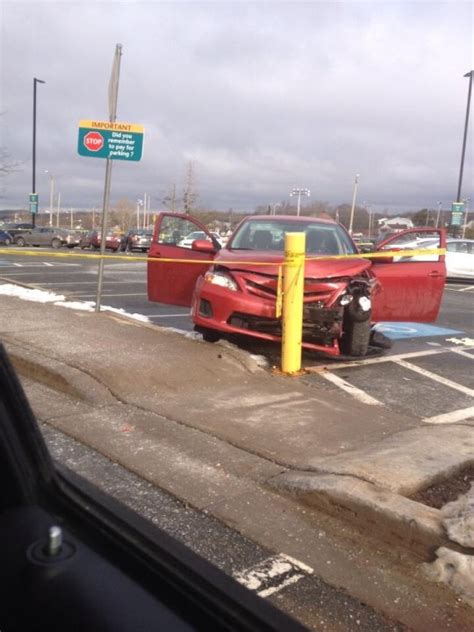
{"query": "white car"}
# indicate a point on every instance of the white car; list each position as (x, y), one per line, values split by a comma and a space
(460, 258)
(187, 241)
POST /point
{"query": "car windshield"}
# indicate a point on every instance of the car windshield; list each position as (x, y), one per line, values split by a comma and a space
(269, 235)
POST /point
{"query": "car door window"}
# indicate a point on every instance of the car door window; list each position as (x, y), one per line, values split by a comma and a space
(174, 229)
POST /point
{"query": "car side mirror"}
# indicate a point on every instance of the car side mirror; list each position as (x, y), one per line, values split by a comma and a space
(203, 245)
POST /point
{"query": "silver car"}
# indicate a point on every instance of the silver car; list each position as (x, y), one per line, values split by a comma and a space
(48, 236)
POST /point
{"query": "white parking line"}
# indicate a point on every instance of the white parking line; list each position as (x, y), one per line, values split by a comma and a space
(452, 417)
(94, 282)
(108, 295)
(467, 289)
(357, 393)
(436, 377)
(464, 353)
(368, 361)
(273, 574)
(167, 315)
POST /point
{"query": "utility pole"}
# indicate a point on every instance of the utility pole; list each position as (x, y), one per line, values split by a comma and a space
(440, 204)
(354, 195)
(299, 192)
(58, 209)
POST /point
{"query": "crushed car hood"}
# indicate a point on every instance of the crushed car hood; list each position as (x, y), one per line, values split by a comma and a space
(246, 260)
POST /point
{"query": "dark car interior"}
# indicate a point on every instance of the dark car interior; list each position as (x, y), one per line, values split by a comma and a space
(75, 559)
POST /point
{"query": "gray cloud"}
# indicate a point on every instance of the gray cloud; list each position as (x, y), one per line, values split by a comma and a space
(261, 96)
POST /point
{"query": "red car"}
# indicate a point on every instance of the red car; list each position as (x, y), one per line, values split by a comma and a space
(343, 298)
(93, 240)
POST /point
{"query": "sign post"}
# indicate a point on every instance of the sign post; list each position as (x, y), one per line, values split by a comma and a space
(33, 203)
(457, 211)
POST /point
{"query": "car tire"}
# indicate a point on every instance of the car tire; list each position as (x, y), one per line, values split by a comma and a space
(70, 246)
(20, 241)
(55, 243)
(356, 337)
(209, 335)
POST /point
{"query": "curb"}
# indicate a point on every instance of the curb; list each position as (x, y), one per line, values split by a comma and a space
(59, 376)
(393, 518)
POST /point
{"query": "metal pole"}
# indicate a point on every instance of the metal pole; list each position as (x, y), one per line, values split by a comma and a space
(439, 214)
(292, 315)
(58, 207)
(354, 194)
(466, 214)
(113, 97)
(466, 123)
(299, 202)
(51, 198)
(33, 184)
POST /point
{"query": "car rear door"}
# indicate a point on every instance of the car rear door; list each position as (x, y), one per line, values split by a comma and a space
(173, 270)
(409, 289)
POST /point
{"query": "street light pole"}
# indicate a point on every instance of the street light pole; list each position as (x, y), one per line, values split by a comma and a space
(33, 187)
(299, 193)
(58, 209)
(440, 204)
(51, 196)
(466, 123)
(466, 214)
(354, 195)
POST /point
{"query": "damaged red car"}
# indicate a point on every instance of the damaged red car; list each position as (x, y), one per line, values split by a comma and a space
(230, 293)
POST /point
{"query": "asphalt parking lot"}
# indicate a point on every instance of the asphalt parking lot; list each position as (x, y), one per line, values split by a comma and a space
(428, 372)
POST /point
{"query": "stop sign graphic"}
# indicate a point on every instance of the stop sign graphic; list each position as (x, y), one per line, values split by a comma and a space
(93, 141)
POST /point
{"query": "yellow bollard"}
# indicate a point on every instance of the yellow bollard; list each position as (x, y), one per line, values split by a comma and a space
(293, 292)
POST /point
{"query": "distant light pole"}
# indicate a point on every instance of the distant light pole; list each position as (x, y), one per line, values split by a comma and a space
(139, 203)
(33, 187)
(466, 123)
(440, 204)
(51, 196)
(299, 193)
(466, 213)
(274, 208)
(58, 209)
(354, 195)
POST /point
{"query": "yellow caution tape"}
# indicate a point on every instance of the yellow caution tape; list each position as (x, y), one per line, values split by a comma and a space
(405, 254)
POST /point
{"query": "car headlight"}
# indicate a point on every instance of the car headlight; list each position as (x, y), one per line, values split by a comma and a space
(224, 280)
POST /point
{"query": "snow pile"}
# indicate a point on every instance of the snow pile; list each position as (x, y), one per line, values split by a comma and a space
(458, 519)
(42, 296)
(38, 296)
(454, 569)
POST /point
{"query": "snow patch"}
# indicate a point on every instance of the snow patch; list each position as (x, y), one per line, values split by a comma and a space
(454, 569)
(59, 300)
(458, 519)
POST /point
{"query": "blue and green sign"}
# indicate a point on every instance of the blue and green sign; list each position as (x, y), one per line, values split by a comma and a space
(33, 202)
(117, 141)
(457, 211)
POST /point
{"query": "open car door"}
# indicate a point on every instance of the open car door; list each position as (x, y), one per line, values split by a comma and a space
(411, 285)
(172, 281)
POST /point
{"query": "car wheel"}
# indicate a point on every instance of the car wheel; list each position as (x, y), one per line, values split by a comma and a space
(70, 246)
(209, 335)
(20, 241)
(56, 243)
(355, 341)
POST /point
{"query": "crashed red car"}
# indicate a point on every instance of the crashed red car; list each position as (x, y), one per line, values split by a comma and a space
(229, 293)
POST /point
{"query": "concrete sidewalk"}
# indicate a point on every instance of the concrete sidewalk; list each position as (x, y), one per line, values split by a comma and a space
(207, 422)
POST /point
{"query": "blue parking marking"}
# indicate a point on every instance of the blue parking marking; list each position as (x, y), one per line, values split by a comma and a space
(397, 331)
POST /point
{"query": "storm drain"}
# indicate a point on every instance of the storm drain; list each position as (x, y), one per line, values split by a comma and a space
(446, 490)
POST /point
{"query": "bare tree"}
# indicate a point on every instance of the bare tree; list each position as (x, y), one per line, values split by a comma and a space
(189, 192)
(123, 214)
(170, 200)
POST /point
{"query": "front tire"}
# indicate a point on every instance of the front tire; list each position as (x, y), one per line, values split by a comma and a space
(56, 243)
(20, 242)
(356, 337)
(209, 335)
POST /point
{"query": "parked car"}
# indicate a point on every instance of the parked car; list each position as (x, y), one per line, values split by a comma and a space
(93, 240)
(187, 241)
(137, 239)
(460, 258)
(230, 293)
(6, 238)
(16, 228)
(48, 236)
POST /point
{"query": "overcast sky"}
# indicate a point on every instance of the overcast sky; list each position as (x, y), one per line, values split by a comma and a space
(261, 96)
